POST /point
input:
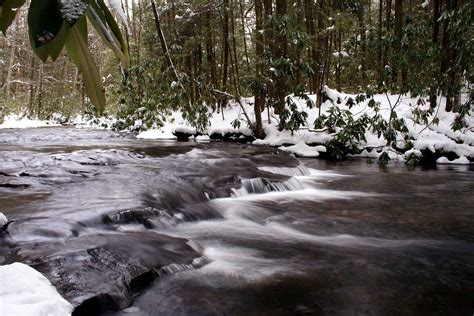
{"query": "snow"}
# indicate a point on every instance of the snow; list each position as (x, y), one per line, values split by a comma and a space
(21, 121)
(340, 54)
(175, 123)
(460, 161)
(433, 141)
(303, 150)
(3, 219)
(25, 291)
(415, 152)
(203, 138)
(425, 4)
(218, 124)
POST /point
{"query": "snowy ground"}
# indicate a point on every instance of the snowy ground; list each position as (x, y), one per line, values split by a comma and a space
(435, 137)
(25, 291)
(17, 121)
(308, 142)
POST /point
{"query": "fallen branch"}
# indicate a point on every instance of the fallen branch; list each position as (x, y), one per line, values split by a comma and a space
(239, 101)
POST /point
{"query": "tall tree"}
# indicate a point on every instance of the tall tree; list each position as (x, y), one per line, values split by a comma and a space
(259, 89)
(281, 49)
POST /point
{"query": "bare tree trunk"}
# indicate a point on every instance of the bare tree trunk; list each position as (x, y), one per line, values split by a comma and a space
(259, 104)
(244, 38)
(32, 85)
(39, 96)
(339, 48)
(281, 48)
(435, 37)
(399, 35)
(388, 13)
(166, 53)
(11, 62)
(225, 45)
(380, 62)
(319, 56)
(313, 47)
(210, 54)
(363, 40)
(234, 47)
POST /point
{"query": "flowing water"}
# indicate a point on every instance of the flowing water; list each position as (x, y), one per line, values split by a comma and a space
(168, 228)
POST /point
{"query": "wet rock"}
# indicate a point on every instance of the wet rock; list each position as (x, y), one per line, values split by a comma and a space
(233, 137)
(102, 272)
(182, 136)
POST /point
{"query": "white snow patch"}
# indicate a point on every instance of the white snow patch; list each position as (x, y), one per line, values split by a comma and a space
(202, 138)
(303, 150)
(460, 161)
(25, 291)
(20, 121)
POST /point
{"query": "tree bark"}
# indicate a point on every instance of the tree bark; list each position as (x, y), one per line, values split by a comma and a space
(259, 104)
(435, 40)
(398, 35)
(281, 48)
(225, 45)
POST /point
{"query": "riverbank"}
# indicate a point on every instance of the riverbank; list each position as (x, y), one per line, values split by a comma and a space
(419, 135)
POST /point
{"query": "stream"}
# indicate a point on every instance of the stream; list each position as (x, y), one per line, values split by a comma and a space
(123, 226)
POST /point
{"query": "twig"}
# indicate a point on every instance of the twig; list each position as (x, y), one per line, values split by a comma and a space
(228, 95)
(432, 120)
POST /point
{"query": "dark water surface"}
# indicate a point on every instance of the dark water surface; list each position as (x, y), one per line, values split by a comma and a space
(173, 228)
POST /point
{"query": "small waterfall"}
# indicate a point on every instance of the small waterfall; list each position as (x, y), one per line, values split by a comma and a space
(300, 170)
(262, 185)
(176, 267)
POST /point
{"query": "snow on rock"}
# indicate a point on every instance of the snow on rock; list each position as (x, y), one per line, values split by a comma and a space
(303, 150)
(414, 152)
(20, 121)
(460, 161)
(3, 219)
(435, 141)
(25, 291)
(185, 130)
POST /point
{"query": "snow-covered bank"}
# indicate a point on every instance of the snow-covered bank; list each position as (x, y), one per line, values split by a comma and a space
(425, 136)
(434, 135)
(25, 291)
(21, 121)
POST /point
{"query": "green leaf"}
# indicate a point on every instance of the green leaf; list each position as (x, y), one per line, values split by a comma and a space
(107, 28)
(78, 50)
(8, 11)
(54, 48)
(47, 29)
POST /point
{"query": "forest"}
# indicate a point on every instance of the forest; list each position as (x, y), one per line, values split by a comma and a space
(197, 57)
